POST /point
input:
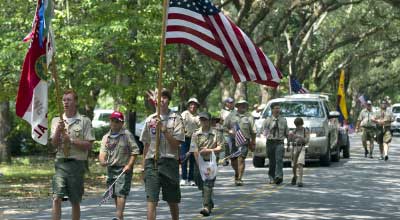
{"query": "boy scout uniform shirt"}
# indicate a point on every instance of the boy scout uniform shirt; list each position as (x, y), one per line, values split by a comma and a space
(279, 132)
(224, 113)
(78, 129)
(245, 122)
(191, 123)
(386, 115)
(365, 118)
(174, 124)
(119, 148)
(210, 140)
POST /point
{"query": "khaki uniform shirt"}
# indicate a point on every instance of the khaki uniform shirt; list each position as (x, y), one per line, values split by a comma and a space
(119, 148)
(210, 140)
(386, 115)
(224, 113)
(365, 118)
(191, 122)
(245, 122)
(275, 128)
(79, 129)
(174, 124)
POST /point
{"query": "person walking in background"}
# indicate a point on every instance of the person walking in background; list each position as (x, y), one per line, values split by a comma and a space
(165, 175)
(239, 125)
(275, 130)
(229, 105)
(365, 121)
(73, 137)
(118, 153)
(383, 118)
(206, 141)
(298, 139)
(191, 123)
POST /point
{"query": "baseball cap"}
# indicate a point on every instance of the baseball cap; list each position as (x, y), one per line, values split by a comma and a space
(193, 100)
(369, 102)
(229, 99)
(205, 115)
(117, 115)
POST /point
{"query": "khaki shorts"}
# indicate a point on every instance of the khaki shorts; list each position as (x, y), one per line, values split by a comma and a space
(68, 180)
(123, 185)
(383, 136)
(165, 177)
(244, 150)
(368, 134)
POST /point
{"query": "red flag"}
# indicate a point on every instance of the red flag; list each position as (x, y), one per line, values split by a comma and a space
(201, 25)
(32, 99)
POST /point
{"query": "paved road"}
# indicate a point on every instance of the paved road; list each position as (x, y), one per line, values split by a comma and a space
(356, 188)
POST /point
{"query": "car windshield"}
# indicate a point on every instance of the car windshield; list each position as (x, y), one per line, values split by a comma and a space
(396, 109)
(299, 109)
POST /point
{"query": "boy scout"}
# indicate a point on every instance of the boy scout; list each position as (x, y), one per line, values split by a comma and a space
(205, 141)
(240, 119)
(73, 136)
(383, 118)
(166, 175)
(118, 152)
(299, 138)
(276, 130)
(191, 123)
(368, 128)
(229, 142)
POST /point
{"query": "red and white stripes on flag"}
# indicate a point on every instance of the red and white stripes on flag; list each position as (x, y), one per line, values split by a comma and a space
(200, 24)
(240, 139)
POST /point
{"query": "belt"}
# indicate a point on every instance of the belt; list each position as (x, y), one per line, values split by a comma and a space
(275, 141)
(65, 160)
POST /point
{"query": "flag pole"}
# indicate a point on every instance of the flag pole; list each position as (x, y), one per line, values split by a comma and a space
(58, 99)
(159, 82)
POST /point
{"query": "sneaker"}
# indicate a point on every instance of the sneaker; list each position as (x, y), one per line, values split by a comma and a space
(366, 153)
(205, 212)
(381, 158)
(370, 156)
(278, 180)
(240, 182)
(386, 158)
(192, 183)
(300, 184)
(183, 182)
(294, 180)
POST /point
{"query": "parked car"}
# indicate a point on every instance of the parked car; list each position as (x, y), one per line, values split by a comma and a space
(327, 139)
(395, 125)
(101, 118)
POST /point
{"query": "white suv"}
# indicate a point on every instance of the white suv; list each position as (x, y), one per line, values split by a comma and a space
(316, 113)
(395, 126)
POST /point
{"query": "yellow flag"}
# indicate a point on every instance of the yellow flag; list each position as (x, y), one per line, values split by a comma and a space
(341, 102)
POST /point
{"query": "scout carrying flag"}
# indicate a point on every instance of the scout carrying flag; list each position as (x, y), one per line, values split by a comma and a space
(32, 100)
(201, 25)
(341, 100)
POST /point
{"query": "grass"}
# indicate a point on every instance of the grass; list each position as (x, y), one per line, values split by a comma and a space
(30, 177)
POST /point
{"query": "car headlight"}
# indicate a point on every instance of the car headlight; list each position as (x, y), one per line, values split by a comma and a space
(317, 132)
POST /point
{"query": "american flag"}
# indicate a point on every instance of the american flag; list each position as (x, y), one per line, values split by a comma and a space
(107, 195)
(240, 139)
(198, 23)
(296, 86)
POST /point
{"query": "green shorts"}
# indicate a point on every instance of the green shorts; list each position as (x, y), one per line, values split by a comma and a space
(123, 185)
(244, 150)
(166, 177)
(68, 179)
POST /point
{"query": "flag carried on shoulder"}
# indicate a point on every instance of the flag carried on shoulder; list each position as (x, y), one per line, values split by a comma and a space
(297, 87)
(341, 100)
(199, 24)
(32, 98)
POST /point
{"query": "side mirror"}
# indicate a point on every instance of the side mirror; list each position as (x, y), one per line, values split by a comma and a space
(334, 114)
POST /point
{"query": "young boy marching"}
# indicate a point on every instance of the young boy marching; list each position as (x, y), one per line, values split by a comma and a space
(299, 139)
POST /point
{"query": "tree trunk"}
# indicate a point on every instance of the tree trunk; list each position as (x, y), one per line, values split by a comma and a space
(5, 122)
(241, 91)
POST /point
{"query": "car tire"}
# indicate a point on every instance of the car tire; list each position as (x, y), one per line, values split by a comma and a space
(325, 159)
(346, 149)
(258, 161)
(336, 156)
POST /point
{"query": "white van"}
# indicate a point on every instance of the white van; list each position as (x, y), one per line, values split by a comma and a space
(395, 125)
